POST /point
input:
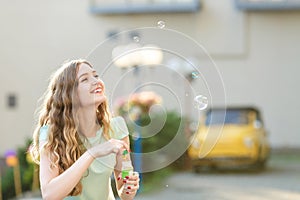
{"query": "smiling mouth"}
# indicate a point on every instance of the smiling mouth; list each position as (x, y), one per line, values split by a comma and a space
(97, 91)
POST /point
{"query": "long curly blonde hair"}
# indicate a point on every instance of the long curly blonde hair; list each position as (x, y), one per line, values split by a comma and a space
(58, 110)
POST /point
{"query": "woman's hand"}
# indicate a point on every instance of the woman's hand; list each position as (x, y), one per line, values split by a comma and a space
(106, 148)
(130, 186)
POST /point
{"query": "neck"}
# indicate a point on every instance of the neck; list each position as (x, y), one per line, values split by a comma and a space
(87, 122)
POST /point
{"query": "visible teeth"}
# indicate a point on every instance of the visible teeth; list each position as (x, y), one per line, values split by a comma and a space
(98, 90)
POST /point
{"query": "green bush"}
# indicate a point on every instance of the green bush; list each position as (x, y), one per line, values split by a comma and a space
(26, 171)
(172, 131)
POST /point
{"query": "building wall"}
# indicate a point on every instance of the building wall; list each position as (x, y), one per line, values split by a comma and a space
(256, 54)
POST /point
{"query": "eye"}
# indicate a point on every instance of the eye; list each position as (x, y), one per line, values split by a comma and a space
(83, 80)
(96, 76)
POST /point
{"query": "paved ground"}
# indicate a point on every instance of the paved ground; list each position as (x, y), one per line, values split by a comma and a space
(280, 181)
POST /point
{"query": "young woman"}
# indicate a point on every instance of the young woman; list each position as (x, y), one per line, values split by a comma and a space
(77, 145)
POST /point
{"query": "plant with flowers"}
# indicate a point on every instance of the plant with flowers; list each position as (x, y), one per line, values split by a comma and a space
(137, 104)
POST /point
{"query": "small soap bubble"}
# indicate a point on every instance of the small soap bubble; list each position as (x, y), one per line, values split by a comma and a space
(161, 24)
(201, 102)
(195, 75)
(186, 94)
(136, 39)
(167, 185)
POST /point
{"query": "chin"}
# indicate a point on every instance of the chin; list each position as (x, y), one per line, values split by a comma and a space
(100, 100)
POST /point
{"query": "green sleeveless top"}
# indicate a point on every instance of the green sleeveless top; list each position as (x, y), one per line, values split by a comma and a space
(97, 179)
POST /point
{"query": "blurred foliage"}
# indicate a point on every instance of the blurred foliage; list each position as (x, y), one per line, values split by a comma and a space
(172, 131)
(174, 125)
(26, 170)
(145, 124)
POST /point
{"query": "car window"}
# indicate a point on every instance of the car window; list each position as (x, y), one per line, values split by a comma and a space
(215, 117)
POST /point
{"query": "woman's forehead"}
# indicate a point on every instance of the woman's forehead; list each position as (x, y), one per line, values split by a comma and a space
(84, 68)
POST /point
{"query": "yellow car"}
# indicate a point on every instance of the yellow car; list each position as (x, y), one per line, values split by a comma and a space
(232, 136)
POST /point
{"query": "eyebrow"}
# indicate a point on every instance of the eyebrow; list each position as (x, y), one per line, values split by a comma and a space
(86, 74)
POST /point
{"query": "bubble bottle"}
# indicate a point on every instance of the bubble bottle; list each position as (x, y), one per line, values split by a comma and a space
(127, 168)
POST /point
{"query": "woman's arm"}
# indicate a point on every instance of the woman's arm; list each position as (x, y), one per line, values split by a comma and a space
(57, 186)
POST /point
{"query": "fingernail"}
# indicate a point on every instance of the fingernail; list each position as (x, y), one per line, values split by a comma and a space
(119, 178)
(127, 177)
(124, 181)
(128, 187)
(127, 192)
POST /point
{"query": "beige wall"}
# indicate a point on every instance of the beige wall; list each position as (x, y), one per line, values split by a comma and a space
(256, 53)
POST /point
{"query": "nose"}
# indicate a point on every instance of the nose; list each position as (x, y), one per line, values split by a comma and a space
(98, 82)
(95, 81)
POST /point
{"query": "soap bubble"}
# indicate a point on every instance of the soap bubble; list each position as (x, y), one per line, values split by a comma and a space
(136, 39)
(161, 24)
(201, 102)
(195, 75)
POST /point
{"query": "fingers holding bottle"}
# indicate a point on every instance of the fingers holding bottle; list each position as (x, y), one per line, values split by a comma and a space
(108, 147)
(131, 183)
(130, 186)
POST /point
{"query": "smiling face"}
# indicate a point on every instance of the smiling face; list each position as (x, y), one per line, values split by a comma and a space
(90, 86)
